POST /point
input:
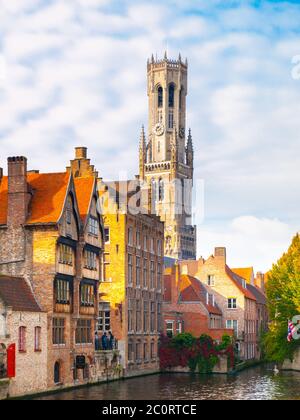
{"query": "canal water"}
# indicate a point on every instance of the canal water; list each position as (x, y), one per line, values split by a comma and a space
(257, 383)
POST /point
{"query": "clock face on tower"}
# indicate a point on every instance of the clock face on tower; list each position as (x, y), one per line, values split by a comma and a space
(159, 129)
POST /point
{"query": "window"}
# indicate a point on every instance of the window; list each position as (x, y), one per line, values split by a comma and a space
(171, 120)
(181, 98)
(90, 260)
(152, 275)
(152, 245)
(159, 248)
(169, 328)
(152, 318)
(145, 243)
(138, 271)
(56, 373)
(153, 355)
(232, 303)
(130, 237)
(171, 95)
(138, 316)
(107, 235)
(145, 276)
(130, 269)
(138, 239)
(145, 351)
(146, 306)
(58, 331)
(104, 316)
(178, 327)
(161, 190)
(210, 280)
(84, 331)
(37, 339)
(62, 292)
(93, 226)
(232, 325)
(138, 351)
(65, 254)
(159, 319)
(159, 276)
(130, 352)
(130, 315)
(87, 295)
(22, 339)
(160, 97)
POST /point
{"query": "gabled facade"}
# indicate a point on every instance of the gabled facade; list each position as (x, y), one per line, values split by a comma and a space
(23, 340)
(233, 296)
(52, 235)
(189, 307)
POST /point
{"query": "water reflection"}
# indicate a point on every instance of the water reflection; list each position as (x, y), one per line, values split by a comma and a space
(253, 384)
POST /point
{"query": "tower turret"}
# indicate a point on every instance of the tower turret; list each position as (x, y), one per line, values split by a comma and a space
(190, 151)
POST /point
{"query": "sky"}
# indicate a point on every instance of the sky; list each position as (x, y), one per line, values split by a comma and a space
(73, 73)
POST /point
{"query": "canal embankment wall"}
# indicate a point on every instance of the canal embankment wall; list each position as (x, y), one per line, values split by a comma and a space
(294, 365)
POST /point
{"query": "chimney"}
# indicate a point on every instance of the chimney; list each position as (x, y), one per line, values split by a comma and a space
(80, 152)
(260, 281)
(1, 174)
(18, 195)
(220, 255)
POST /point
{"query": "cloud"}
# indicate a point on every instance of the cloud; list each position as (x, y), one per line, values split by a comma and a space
(249, 241)
(75, 73)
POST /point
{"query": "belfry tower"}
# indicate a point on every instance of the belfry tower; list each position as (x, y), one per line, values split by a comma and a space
(166, 155)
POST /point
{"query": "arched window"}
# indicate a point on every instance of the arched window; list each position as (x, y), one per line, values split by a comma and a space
(171, 95)
(181, 97)
(161, 190)
(160, 97)
(57, 373)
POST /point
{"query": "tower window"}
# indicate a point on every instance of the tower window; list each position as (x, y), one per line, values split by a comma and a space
(171, 120)
(160, 95)
(171, 95)
(161, 190)
(181, 98)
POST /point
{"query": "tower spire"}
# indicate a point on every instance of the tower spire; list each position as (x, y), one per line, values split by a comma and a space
(190, 150)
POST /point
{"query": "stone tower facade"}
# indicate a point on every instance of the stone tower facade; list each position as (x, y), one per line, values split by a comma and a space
(166, 155)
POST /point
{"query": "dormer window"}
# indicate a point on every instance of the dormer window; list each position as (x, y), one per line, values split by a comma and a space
(210, 280)
(93, 226)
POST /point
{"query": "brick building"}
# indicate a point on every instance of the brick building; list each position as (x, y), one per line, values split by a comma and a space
(131, 293)
(51, 235)
(189, 307)
(23, 325)
(235, 298)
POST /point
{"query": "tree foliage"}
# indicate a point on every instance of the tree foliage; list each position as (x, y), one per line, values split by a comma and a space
(283, 293)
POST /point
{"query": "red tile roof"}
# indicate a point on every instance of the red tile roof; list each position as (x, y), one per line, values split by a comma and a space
(16, 293)
(84, 188)
(238, 281)
(49, 193)
(190, 290)
(246, 273)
